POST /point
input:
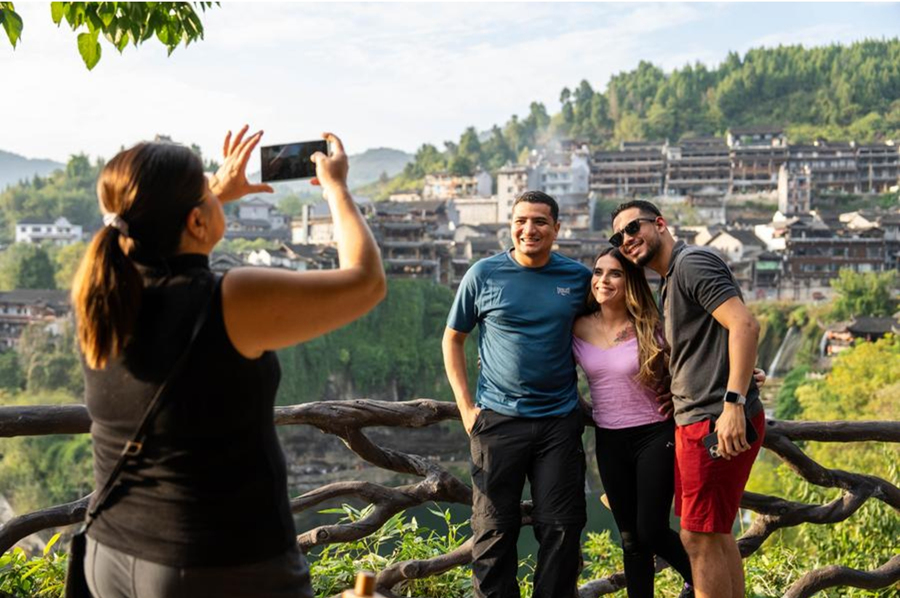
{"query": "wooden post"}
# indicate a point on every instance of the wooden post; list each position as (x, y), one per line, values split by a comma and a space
(365, 587)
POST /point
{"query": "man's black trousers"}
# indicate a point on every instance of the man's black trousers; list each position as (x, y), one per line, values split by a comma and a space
(548, 453)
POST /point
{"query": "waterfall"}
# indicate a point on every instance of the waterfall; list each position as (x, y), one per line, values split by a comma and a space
(785, 351)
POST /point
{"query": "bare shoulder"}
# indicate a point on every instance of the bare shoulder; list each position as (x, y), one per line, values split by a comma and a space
(582, 326)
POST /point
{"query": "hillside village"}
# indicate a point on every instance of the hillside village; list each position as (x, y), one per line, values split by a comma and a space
(773, 209)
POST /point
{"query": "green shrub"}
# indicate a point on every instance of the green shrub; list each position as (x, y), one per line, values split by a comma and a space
(334, 567)
(40, 576)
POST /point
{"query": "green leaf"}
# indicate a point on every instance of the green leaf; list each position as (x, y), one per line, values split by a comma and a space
(76, 9)
(107, 13)
(12, 23)
(89, 49)
(50, 544)
(123, 40)
(56, 12)
(163, 34)
(69, 13)
(93, 20)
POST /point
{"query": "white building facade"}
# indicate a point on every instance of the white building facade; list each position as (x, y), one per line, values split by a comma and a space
(58, 232)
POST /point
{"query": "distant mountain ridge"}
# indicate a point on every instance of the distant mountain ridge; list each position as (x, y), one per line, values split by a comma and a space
(368, 166)
(365, 168)
(15, 168)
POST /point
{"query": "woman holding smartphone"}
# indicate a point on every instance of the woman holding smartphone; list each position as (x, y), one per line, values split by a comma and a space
(201, 508)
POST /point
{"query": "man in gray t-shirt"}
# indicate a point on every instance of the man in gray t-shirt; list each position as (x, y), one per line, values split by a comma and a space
(713, 337)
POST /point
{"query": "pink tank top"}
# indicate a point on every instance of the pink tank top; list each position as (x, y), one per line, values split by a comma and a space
(618, 400)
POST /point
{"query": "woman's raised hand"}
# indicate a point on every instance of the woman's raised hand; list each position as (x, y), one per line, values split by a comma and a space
(331, 171)
(230, 181)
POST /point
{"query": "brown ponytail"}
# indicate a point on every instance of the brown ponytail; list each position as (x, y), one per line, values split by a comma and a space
(151, 187)
(106, 295)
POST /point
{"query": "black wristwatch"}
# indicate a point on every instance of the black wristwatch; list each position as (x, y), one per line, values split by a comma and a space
(735, 397)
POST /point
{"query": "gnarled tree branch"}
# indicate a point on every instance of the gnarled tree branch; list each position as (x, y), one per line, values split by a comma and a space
(858, 431)
(347, 419)
(836, 575)
(816, 474)
(24, 525)
(417, 569)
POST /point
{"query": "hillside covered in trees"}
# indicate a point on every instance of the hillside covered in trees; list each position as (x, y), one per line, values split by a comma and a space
(836, 92)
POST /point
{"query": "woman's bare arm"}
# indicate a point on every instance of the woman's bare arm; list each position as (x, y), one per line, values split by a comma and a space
(267, 309)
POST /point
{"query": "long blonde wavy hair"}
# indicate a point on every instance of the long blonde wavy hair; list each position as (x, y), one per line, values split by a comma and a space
(644, 315)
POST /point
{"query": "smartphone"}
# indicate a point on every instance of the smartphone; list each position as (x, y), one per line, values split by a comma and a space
(711, 440)
(290, 161)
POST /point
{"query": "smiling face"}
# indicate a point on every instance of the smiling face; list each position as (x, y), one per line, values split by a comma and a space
(641, 247)
(608, 281)
(533, 232)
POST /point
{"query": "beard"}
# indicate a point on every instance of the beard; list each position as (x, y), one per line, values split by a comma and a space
(652, 250)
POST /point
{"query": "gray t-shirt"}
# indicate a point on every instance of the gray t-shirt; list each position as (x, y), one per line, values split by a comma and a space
(699, 281)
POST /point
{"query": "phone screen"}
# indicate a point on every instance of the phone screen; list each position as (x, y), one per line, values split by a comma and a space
(290, 161)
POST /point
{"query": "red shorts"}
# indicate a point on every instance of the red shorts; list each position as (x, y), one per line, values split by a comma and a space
(708, 491)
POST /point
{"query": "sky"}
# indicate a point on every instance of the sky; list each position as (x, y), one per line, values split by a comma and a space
(377, 74)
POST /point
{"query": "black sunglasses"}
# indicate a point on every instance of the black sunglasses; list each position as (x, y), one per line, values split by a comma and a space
(630, 229)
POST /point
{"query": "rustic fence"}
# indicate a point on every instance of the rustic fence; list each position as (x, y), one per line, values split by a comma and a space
(348, 420)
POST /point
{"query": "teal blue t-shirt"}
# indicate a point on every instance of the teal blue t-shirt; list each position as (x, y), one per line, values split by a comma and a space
(525, 318)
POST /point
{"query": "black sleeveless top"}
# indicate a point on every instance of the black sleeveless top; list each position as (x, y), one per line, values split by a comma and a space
(210, 487)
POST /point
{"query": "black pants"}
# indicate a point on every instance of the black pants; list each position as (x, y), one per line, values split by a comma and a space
(637, 467)
(113, 574)
(548, 453)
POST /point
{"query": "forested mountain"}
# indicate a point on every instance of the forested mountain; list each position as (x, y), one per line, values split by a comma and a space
(15, 168)
(837, 92)
(372, 164)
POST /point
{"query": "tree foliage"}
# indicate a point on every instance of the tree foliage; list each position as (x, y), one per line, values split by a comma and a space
(864, 294)
(863, 384)
(394, 352)
(119, 23)
(26, 266)
(66, 261)
(787, 406)
(42, 575)
(11, 376)
(50, 362)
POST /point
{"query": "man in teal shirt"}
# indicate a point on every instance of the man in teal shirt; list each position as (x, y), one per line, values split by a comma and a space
(524, 422)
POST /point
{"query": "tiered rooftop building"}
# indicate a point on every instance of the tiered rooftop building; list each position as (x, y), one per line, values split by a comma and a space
(696, 165)
(636, 169)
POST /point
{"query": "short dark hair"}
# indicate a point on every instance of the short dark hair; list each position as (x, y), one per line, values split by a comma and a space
(644, 206)
(539, 197)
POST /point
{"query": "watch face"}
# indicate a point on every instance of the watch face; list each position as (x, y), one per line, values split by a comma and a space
(734, 397)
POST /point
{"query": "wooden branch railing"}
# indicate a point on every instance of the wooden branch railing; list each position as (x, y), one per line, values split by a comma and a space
(348, 419)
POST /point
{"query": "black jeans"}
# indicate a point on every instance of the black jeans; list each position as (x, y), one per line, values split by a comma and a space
(637, 467)
(548, 453)
(113, 574)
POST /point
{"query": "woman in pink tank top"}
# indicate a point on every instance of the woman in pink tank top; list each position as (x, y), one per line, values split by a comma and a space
(619, 347)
